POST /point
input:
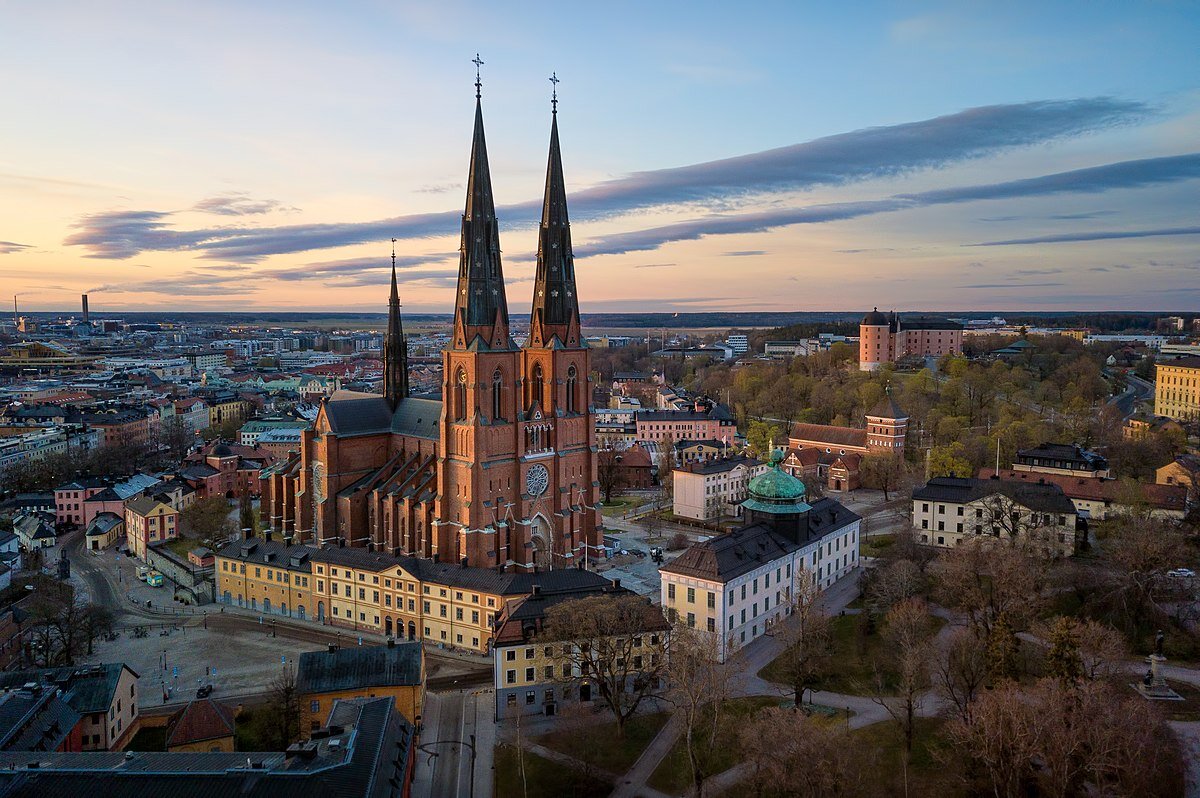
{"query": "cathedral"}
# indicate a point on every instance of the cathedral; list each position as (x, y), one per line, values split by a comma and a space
(500, 472)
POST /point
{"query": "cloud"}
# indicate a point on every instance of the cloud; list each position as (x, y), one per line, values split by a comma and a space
(1120, 175)
(353, 267)
(440, 188)
(830, 161)
(1011, 285)
(9, 247)
(744, 253)
(1036, 272)
(1097, 235)
(653, 265)
(236, 204)
(188, 284)
(1057, 217)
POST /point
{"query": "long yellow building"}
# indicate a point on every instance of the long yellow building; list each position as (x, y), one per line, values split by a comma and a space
(408, 598)
(1177, 389)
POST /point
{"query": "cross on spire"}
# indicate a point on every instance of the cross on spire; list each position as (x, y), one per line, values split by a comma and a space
(554, 94)
(478, 62)
(393, 254)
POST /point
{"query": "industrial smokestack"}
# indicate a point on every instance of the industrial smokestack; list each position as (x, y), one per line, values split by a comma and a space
(85, 310)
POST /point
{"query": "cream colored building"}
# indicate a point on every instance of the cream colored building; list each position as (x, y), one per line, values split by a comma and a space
(711, 489)
(1177, 389)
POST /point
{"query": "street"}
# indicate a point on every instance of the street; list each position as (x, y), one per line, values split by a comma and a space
(457, 738)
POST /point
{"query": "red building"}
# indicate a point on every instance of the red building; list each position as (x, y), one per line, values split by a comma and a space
(888, 338)
(226, 469)
(498, 473)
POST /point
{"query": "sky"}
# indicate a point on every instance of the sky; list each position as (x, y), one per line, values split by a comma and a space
(719, 156)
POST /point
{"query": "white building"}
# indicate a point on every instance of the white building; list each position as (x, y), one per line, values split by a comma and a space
(738, 585)
(711, 489)
(1151, 341)
(739, 343)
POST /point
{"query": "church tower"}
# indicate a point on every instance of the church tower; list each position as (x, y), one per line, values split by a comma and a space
(479, 480)
(395, 348)
(557, 437)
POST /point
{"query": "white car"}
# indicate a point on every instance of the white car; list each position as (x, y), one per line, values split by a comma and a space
(1182, 573)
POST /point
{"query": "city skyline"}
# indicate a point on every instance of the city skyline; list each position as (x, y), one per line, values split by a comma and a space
(772, 159)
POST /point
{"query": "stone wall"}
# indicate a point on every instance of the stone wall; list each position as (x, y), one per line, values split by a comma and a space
(199, 582)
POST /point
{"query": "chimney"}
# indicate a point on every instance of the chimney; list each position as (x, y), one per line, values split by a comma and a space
(537, 590)
(333, 647)
(85, 309)
(462, 563)
(616, 584)
(267, 535)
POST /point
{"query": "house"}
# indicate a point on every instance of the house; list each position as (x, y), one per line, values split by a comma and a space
(1063, 459)
(148, 521)
(104, 530)
(738, 585)
(69, 499)
(709, 490)
(833, 455)
(1039, 515)
(201, 557)
(104, 696)
(634, 468)
(535, 675)
(365, 749)
(10, 550)
(35, 718)
(35, 530)
(1096, 499)
(395, 670)
(1183, 471)
(690, 451)
(203, 725)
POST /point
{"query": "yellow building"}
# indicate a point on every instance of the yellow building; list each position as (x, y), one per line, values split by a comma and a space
(408, 598)
(1177, 389)
(149, 521)
(267, 576)
(395, 669)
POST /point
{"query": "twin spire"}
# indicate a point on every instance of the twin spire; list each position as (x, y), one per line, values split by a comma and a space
(481, 306)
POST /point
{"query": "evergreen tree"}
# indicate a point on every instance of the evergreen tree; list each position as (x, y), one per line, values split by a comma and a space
(1003, 650)
(1063, 660)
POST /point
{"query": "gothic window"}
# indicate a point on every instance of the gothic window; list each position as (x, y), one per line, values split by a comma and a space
(535, 394)
(571, 380)
(497, 394)
(460, 396)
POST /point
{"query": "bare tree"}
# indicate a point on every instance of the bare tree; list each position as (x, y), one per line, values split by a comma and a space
(897, 581)
(609, 473)
(983, 581)
(808, 641)
(961, 670)
(700, 692)
(206, 518)
(885, 472)
(794, 756)
(283, 706)
(615, 642)
(1102, 650)
(908, 633)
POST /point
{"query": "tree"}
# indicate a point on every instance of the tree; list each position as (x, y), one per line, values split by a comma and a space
(1102, 650)
(97, 621)
(885, 472)
(760, 435)
(283, 707)
(1066, 739)
(615, 642)
(246, 513)
(895, 582)
(1141, 552)
(176, 437)
(1063, 660)
(807, 639)
(1003, 650)
(793, 756)
(908, 633)
(609, 473)
(61, 626)
(700, 685)
(983, 581)
(961, 671)
(950, 461)
(207, 518)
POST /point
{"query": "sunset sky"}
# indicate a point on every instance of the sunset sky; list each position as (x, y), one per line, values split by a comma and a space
(719, 156)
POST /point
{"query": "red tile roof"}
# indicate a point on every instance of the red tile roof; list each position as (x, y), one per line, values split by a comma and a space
(202, 719)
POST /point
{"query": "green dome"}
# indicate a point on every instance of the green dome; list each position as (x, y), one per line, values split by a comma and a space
(777, 491)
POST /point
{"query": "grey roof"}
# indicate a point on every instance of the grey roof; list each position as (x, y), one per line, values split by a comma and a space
(353, 413)
(34, 721)
(275, 552)
(371, 754)
(103, 523)
(417, 417)
(356, 667)
(1046, 497)
(88, 688)
(1067, 453)
(718, 465)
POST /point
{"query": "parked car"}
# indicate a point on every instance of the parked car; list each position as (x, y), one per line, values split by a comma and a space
(204, 691)
(1182, 573)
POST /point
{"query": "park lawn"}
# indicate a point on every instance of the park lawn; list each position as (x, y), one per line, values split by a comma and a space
(598, 743)
(876, 545)
(855, 657)
(674, 774)
(543, 778)
(925, 774)
(619, 506)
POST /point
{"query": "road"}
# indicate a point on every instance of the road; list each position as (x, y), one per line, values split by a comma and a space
(1139, 391)
(453, 722)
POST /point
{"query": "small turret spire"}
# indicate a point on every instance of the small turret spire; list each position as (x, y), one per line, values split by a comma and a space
(395, 346)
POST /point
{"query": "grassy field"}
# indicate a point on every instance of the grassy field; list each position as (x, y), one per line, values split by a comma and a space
(542, 778)
(855, 655)
(923, 774)
(876, 545)
(619, 505)
(674, 773)
(598, 744)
